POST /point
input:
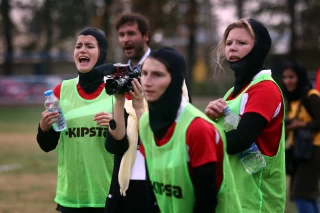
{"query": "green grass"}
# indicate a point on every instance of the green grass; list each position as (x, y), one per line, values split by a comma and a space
(20, 119)
(31, 188)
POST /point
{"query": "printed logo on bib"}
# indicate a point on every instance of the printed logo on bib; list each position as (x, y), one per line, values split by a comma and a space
(78, 132)
(167, 189)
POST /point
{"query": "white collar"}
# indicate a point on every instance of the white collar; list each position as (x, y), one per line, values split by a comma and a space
(146, 54)
(262, 72)
(183, 104)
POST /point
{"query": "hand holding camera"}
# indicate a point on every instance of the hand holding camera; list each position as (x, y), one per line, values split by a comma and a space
(120, 80)
(137, 95)
(119, 77)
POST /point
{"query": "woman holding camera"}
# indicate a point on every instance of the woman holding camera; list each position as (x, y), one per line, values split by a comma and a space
(130, 190)
(84, 168)
(303, 113)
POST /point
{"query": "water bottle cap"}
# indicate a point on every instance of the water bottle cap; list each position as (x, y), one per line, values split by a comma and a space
(48, 93)
(227, 109)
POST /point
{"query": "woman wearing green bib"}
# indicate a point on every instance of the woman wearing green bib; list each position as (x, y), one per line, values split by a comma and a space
(258, 100)
(84, 167)
(184, 150)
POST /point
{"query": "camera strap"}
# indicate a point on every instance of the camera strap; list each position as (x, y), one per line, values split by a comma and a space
(112, 122)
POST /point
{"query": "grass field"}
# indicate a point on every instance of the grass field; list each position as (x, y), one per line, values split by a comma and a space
(30, 185)
(27, 174)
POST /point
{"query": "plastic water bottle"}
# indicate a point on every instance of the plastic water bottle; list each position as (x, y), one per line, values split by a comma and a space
(52, 105)
(252, 159)
(231, 120)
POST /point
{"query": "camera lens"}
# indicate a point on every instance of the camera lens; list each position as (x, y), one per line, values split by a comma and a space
(112, 86)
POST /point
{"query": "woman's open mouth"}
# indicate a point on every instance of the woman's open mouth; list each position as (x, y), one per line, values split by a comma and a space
(84, 60)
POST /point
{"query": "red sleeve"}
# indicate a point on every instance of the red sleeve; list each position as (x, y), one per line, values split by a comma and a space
(201, 141)
(56, 91)
(128, 96)
(263, 98)
(141, 148)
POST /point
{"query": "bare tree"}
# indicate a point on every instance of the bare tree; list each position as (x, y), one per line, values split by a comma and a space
(239, 4)
(8, 26)
(310, 22)
(47, 10)
(293, 38)
(192, 28)
(106, 17)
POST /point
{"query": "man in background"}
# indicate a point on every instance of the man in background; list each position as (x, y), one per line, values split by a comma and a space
(134, 37)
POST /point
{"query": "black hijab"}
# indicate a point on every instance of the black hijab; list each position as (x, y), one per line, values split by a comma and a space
(163, 112)
(247, 67)
(303, 84)
(90, 81)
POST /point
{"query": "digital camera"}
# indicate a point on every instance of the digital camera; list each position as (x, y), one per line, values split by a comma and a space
(120, 80)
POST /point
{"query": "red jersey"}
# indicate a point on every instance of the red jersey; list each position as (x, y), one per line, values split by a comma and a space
(265, 99)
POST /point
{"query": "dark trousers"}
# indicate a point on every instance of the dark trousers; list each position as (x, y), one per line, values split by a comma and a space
(139, 199)
(307, 206)
(63, 209)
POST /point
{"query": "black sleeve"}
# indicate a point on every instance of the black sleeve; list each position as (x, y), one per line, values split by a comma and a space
(117, 147)
(47, 141)
(249, 128)
(313, 109)
(151, 198)
(204, 182)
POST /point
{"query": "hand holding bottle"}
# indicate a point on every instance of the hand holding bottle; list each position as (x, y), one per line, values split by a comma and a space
(47, 119)
(215, 108)
(231, 120)
(52, 105)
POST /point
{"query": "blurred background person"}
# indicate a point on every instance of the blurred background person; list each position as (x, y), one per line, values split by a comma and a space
(302, 113)
(84, 167)
(134, 37)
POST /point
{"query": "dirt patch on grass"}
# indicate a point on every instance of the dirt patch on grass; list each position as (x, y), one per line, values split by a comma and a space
(17, 137)
(27, 193)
